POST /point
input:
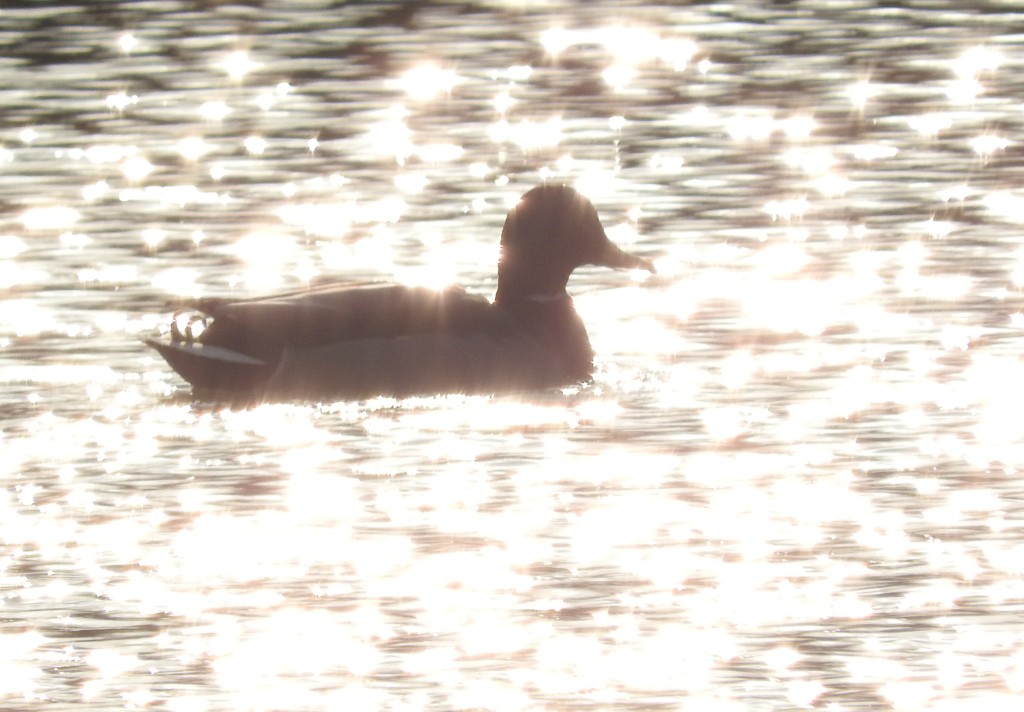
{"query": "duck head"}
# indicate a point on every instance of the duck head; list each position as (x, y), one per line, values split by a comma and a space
(552, 231)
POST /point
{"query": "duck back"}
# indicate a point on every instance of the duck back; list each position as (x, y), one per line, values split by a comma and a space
(261, 328)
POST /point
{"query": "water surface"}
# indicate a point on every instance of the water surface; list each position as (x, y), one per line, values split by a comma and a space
(793, 484)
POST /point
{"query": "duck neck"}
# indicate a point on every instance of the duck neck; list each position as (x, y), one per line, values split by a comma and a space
(536, 286)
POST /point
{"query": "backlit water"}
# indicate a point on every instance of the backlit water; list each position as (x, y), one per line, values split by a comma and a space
(795, 482)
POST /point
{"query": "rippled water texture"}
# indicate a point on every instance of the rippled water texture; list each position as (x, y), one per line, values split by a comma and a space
(794, 483)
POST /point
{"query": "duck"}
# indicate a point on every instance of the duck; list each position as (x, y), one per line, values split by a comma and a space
(354, 342)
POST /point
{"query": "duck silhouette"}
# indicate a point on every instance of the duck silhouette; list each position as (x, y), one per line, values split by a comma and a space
(354, 342)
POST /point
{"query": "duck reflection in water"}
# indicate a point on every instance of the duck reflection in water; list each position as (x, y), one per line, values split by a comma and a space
(364, 341)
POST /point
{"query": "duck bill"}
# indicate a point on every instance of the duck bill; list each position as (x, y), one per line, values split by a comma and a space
(617, 258)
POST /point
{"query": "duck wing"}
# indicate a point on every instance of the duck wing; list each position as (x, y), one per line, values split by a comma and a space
(243, 345)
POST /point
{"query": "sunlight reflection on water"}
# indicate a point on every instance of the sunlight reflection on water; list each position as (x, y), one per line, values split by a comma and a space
(792, 483)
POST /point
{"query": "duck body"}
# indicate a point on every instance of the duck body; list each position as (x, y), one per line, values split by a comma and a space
(383, 339)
